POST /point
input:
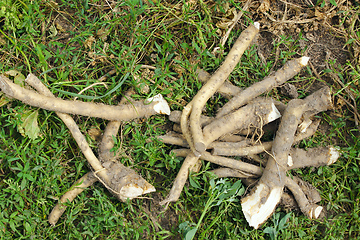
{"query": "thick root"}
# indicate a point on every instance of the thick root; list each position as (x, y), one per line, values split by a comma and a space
(314, 157)
(227, 89)
(117, 113)
(215, 81)
(72, 126)
(289, 70)
(261, 202)
(180, 179)
(255, 209)
(308, 209)
(257, 114)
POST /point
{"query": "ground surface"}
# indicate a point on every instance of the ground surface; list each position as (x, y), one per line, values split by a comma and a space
(85, 48)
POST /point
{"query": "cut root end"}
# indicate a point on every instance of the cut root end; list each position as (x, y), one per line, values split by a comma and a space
(334, 155)
(260, 204)
(161, 107)
(304, 60)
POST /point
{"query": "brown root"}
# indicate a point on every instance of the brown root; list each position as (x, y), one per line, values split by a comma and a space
(215, 81)
(313, 157)
(261, 202)
(289, 70)
(80, 185)
(117, 113)
(244, 151)
(308, 209)
(123, 182)
(257, 114)
(304, 193)
(180, 179)
(227, 89)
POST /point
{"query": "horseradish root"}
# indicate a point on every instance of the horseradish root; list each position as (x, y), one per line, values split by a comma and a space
(122, 181)
(289, 70)
(261, 202)
(216, 80)
(126, 112)
(79, 186)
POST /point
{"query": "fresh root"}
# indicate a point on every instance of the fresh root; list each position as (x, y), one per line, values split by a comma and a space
(178, 139)
(79, 186)
(180, 179)
(215, 81)
(261, 202)
(310, 210)
(289, 70)
(80, 139)
(155, 105)
(227, 89)
(313, 157)
(258, 113)
(268, 192)
(123, 182)
(304, 193)
(244, 151)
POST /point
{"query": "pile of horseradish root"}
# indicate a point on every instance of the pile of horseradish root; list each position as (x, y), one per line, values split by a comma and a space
(236, 131)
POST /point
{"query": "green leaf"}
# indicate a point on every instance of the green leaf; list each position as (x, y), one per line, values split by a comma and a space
(194, 183)
(282, 223)
(30, 178)
(333, 2)
(53, 31)
(28, 227)
(351, 40)
(23, 184)
(271, 231)
(29, 126)
(190, 234)
(19, 78)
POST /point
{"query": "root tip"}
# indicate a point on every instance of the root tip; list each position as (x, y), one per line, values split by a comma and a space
(315, 212)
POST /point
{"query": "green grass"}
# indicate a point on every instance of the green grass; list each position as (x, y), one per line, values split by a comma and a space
(70, 45)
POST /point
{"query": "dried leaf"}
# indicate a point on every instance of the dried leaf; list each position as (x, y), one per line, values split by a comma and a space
(29, 126)
(103, 33)
(53, 31)
(89, 42)
(95, 134)
(264, 6)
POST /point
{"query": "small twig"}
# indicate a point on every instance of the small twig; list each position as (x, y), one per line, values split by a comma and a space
(235, 21)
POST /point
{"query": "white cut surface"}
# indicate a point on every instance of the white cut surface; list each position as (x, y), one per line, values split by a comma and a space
(334, 155)
(290, 161)
(133, 190)
(161, 107)
(304, 125)
(318, 210)
(304, 60)
(274, 114)
(257, 211)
